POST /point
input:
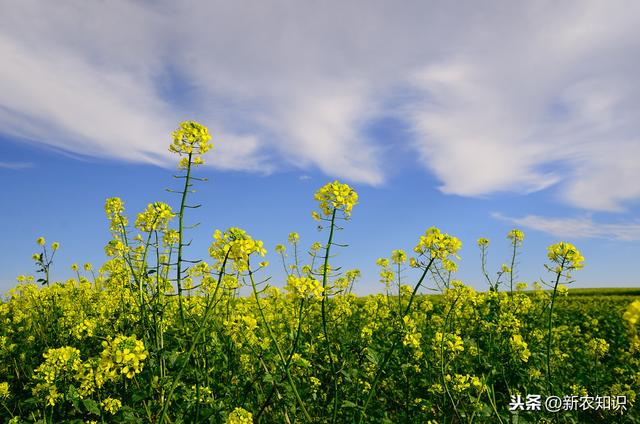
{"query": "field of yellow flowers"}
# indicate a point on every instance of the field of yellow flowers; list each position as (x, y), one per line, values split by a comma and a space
(153, 337)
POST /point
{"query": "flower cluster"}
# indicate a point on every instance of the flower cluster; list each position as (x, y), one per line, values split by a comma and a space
(386, 274)
(520, 347)
(114, 208)
(450, 342)
(632, 317)
(516, 236)
(483, 242)
(565, 256)
(61, 365)
(398, 257)
(122, 355)
(156, 216)
(304, 287)
(111, 405)
(460, 382)
(412, 336)
(234, 245)
(598, 347)
(4, 390)
(437, 245)
(240, 416)
(191, 139)
(335, 196)
(632, 314)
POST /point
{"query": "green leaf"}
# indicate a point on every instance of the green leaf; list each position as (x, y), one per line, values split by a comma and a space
(372, 356)
(139, 395)
(349, 404)
(91, 406)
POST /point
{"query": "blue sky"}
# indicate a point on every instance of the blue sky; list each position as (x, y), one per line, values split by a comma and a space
(475, 120)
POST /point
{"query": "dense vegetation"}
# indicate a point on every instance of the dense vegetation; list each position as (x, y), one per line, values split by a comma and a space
(154, 337)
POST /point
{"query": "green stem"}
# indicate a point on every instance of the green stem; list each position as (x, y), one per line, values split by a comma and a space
(513, 263)
(324, 316)
(180, 237)
(210, 306)
(550, 323)
(387, 357)
(275, 342)
(442, 366)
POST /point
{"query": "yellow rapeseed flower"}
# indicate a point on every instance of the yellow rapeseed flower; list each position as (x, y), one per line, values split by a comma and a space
(156, 216)
(293, 238)
(111, 405)
(4, 390)
(235, 245)
(336, 196)
(516, 236)
(566, 255)
(240, 416)
(632, 314)
(483, 242)
(304, 287)
(398, 256)
(192, 139)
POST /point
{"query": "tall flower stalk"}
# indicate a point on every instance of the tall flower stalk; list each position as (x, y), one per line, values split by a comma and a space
(565, 258)
(190, 141)
(333, 198)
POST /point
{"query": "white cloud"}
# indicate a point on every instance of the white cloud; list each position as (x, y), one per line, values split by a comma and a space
(539, 97)
(16, 165)
(583, 227)
(508, 97)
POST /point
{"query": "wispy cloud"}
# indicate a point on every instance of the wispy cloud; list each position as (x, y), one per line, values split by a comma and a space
(535, 102)
(507, 97)
(583, 227)
(16, 165)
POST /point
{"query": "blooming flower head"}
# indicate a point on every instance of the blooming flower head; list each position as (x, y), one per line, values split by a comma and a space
(521, 286)
(352, 274)
(565, 256)
(398, 256)
(304, 287)
(632, 314)
(520, 347)
(123, 355)
(598, 347)
(236, 246)
(240, 416)
(40, 241)
(111, 405)
(516, 236)
(156, 216)
(55, 246)
(335, 196)
(483, 242)
(437, 245)
(59, 365)
(4, 390)
(114, 208)
(293, 238)
(191, 139)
